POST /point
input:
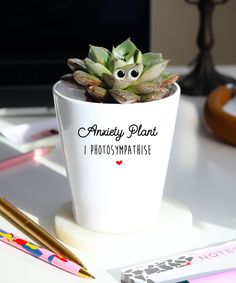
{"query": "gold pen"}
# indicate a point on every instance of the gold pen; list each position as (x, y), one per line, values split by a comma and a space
(35, 231)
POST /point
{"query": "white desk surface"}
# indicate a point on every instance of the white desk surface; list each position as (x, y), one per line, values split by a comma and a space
(201, 175)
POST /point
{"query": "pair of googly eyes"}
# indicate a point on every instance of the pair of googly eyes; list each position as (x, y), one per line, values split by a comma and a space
(120, 74)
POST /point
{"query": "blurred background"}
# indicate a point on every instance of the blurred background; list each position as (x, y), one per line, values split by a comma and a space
(174, 28)
(37, 37)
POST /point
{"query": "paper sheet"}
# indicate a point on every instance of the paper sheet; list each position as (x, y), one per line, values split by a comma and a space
(185, 266)
(26, 133)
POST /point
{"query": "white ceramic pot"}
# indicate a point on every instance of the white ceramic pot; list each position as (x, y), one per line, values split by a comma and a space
(116, 158)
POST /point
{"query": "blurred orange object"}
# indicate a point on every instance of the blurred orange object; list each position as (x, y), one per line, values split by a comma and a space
(221, 123)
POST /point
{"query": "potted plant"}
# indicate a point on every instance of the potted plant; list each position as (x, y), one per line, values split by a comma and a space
(116, 114)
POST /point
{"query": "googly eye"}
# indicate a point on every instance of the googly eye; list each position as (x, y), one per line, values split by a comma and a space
(133, 74)
(119, 74)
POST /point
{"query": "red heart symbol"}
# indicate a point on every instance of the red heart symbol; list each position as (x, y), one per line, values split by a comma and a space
(119, 162)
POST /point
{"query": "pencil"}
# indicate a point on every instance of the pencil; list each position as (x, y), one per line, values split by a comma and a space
(35, 154)
(44, 254)
(35, 231)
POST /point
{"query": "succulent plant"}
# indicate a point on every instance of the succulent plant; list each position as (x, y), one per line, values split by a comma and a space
(123, 75)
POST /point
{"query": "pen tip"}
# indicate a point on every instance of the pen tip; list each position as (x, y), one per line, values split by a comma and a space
(84, 273)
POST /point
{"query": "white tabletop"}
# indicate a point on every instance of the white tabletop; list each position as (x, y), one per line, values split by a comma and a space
(201, 175)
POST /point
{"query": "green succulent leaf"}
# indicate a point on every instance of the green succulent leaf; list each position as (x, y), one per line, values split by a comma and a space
(124, 96)
(151, 59)
(138, 57)
(125, 50)
(99, 55)
(115, 64)
(76, 64)
(121, 84)
(153, 96)
(113, 58)
(116, 55)
(166, 79)
(109, 80)
(98, 93)
(130, 61)
(144, 88)
(153, 72)
(110, 65)
(96, 69)
(86, 79)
